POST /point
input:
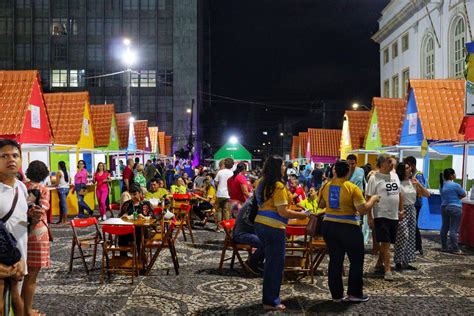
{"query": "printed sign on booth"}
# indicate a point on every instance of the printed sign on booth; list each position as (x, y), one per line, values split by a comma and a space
(35, 116)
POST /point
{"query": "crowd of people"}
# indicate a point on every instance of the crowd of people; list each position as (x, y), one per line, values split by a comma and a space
(352, 201)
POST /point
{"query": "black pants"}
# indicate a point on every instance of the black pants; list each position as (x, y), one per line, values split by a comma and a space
(418, 235)
(340, 239)
(199, 209)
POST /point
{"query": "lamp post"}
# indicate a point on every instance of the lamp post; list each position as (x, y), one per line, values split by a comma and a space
(128, 59)
(190, 139)
(356, 106)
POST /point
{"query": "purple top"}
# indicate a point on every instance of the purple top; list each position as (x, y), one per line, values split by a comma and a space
(81, 177)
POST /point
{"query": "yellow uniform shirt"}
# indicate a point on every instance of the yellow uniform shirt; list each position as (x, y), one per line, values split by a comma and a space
(267, 212)
(159, 194)
(311, 205)
(179, 189)
(341, 198)
(211, 194)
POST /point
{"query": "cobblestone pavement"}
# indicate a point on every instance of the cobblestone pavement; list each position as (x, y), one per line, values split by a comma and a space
(438, 287)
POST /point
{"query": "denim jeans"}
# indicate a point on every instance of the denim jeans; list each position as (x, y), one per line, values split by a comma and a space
(62, 194)
(252, 239)
(273, 240)
(80, 201)
(451, 220)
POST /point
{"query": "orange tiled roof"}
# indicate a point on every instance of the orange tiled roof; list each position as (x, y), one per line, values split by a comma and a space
(325, 142)
(153, 131)
(358, 122)
(122, 120)
(390, 116)
(15, 93)
(303, 143)
(168, 145)
(66, 114)
(440, 105)
(161, 142)
(294, 147)
(101, 116)
(140, 128)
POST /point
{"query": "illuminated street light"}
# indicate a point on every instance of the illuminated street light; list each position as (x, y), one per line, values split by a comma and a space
(188, 111)
(265, 133)
(281, 134)
(356, 106)
(263, 144)
(131, 119)
(126, 42)
(268, 143)
(233, 140)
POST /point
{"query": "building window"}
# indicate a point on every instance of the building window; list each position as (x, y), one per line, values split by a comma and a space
(113, 81)
(395, 50)
(395, 86)
(130, 26)
(161, 4)
(130, 4)
(44, 77)
(165, 78)
(5, 26)
(23, 26)
(92, 78)
(405, 81)
(457, 48)
(95, 52)
(41, 52)
(60, 4)
(428, 58)
(59, 52)
(148, 78)
(59, 78)
(112, 27)
(405, 43)
(135, 82)
(76, 78)
(147, 27)
(41, 26)
(148, 4)
(23, 52)
(22, 4)
(94, 27)
(112, 5)
(74, 26)
(386, 89)
(59, 26)
(41, 4)
(385, 56)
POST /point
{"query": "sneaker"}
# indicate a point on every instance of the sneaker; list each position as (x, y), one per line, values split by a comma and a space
(339, 300)
(357, 299)
(409, 267)
(388, 276)
(104, 218)
(379, 270)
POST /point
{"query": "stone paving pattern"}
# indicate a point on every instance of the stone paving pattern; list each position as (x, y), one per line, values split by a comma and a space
(438, 287)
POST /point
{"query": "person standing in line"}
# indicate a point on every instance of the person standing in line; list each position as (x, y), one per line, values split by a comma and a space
(451, 210)
(386, 213)
(80, 185)
(222, 193)
(317, 176)
(102, 180)
(62, 182)
(270, 225)
(344, 202)
(418, 175)
(406, 232)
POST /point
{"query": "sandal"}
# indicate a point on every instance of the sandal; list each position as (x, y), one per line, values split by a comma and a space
(279, 307)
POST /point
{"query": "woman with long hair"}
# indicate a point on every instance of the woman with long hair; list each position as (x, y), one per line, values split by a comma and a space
(270, 225)
(102, 179)
(62, 183)
(80, 183)
(38, 237)
(451, 210)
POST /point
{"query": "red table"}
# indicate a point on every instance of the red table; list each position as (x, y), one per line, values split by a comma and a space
(466, 230)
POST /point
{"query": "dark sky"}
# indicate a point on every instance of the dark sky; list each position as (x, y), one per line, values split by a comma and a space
(293, 55)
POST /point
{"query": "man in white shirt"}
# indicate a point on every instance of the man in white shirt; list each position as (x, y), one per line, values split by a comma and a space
(385, 214)
(222, 194)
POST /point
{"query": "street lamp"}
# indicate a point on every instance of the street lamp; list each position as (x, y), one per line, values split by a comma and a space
(281, 134)
(129, 59)
(355, 106)
(188, 111)
(233, 140)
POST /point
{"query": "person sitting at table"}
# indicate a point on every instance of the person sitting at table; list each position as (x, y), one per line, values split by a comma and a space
(206, 202)
(311, 203)
(143, 208)
(156, 189)
(179, 187)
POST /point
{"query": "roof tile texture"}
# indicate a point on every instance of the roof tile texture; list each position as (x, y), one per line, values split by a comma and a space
(122, 120)
(358, 122)
(66, 115)
(153, 131)
(325, 142)
(140, 128)
(440, 106)
(161, 142)
(101, 116)
(15, 92)
(390, 115)
(294, 147)
(303, 143)
(168, 145)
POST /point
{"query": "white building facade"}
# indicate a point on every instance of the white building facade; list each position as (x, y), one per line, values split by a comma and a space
(422, 39)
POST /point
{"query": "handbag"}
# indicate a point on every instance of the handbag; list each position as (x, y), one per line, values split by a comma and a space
(50, 235)
(313, 229)
(82, 191)
(9, 253)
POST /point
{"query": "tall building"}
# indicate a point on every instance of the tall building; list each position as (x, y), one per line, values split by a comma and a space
(422, 39)
(74, 43)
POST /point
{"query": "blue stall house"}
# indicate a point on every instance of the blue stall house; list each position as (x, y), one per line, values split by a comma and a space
(430, 132)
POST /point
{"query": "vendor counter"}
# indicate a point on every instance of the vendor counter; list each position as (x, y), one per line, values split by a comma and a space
(466, 230)
(90, 198)
(430, 213)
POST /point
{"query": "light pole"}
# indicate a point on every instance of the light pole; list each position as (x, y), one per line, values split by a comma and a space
(128, 59)
(356, 106)
(190, 140)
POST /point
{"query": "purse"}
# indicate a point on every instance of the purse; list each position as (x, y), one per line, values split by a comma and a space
(82, 191)
(313, 229)
(9, 253)
(50, 235)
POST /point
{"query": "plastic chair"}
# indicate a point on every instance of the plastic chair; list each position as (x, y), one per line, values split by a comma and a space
(110, 246)
(229, 244)
(160, 241)
(84, 240)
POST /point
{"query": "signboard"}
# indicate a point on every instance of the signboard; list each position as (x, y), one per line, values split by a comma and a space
(412, 123)
(469, 105)
(373, 136)
(112, 133)
(35, 116)
(424, 148)
(86, 127)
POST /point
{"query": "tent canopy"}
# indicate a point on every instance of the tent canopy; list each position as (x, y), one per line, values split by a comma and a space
(234, 151)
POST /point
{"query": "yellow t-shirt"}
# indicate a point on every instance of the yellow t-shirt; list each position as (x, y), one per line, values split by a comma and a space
(211, 194)
(267, 213)
(159, 194)
(179, 189)
(311, 205)
(341, 197)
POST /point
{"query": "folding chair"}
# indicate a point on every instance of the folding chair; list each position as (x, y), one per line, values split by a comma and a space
(160, 241)
(110, 246)
(183, 217)
(229, 244)
(317, 249)
(298, 256)
(84, 240)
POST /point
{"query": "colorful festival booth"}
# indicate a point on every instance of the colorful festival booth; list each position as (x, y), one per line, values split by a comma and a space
(323, 145)
(69, 115)
(153, 132)
(354, 131)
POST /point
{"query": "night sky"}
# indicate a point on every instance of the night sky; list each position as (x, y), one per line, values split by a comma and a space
(292, 56)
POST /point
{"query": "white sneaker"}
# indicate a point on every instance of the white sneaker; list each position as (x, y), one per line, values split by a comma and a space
(388, 276)
(104, 218)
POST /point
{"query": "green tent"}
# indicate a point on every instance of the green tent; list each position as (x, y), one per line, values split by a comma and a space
(234, 151)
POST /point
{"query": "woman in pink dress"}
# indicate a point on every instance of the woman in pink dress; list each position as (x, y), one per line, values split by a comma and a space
(38, 236)
(102, 179)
